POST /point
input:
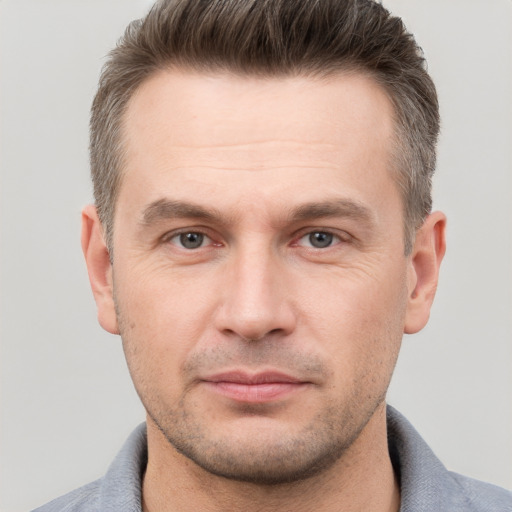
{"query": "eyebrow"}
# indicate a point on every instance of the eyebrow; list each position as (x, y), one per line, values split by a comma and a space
(165, 209)
(334, 208)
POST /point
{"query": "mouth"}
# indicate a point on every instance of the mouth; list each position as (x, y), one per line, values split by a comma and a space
(254, 388)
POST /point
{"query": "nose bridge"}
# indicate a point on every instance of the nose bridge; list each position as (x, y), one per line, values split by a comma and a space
(255, 276)
(255, 300)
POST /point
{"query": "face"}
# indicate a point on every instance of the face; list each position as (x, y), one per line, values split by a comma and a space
(259, 278)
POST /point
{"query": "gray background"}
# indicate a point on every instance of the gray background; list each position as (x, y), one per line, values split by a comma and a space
(67, 400)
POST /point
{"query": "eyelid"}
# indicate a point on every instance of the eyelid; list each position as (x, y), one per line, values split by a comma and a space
(167, 237)
(342, 236)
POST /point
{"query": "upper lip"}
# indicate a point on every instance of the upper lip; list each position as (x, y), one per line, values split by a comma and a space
(243, 377)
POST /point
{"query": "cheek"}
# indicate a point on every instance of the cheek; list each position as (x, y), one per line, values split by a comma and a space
(162, 300)
(160, 322)
(357, 297)
(360, 320)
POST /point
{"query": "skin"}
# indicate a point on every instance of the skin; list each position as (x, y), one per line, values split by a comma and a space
(256, 167)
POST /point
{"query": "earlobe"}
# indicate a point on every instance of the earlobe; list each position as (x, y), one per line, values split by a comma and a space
(425, 260)
(99, 268)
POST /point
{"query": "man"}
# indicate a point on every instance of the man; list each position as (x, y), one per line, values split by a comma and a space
(262, 238)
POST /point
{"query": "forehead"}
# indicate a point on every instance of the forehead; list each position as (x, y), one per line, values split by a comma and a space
(195, 110)
(201, 129)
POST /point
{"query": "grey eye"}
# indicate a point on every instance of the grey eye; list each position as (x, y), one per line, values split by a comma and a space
(190, 240)
(320, 239)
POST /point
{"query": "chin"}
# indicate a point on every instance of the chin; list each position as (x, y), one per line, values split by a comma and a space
(263, 451)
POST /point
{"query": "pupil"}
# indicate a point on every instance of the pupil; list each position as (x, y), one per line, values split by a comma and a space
(320, 239)
(191, 240)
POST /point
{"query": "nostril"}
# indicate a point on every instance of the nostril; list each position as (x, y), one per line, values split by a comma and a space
(266, 336)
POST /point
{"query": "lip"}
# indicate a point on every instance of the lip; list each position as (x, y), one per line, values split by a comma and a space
(254, 387)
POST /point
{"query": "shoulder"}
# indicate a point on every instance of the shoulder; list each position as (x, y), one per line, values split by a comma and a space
(482, 496)
(426, 484)
(118, 489)
(83, 499)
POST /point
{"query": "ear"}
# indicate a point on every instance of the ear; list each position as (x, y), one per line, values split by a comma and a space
(99, 268)
(425, 260)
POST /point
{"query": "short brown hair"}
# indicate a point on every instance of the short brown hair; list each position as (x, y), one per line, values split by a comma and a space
(272, 38)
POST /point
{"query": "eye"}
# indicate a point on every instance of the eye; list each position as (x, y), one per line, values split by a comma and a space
(319, 239)
(190, 240)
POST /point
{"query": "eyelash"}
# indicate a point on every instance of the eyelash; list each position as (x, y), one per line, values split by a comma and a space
(167, 238)
(336, 238)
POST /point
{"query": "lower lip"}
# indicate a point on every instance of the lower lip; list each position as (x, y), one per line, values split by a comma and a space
(255, 393)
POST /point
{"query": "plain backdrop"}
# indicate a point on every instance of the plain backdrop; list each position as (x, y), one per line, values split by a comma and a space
(67, 402)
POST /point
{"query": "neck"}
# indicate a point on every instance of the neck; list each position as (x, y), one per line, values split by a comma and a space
(361, 480)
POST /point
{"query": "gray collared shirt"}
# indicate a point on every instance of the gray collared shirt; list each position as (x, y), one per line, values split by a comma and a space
(425, 484)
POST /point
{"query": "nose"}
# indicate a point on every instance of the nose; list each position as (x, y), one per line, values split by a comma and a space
(256, 300)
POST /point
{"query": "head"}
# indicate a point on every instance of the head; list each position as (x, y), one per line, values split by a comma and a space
(254, 170)
(272, 38)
